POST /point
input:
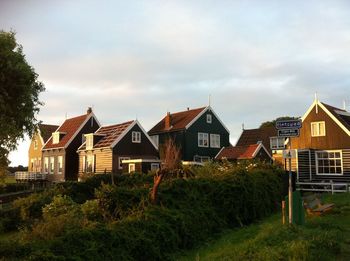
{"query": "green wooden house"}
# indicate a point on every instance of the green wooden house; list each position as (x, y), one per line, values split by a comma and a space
(199, 133)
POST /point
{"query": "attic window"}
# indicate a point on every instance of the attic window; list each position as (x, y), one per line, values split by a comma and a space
(55, 137)
(136, 137)
(318, 129)
(209, 118)
(89, 141)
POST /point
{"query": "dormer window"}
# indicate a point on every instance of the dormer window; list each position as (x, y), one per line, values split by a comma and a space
(318, 129)
(55, 137)
(209, 118)
(89, 141)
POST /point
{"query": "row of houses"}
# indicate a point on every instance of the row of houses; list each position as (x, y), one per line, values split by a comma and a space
(81, 145)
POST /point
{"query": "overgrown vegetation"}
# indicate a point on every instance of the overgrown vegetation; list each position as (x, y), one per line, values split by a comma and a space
(322, 238)
(94, 220)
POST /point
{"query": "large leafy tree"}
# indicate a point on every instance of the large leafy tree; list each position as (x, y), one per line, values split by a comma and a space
(19, 96)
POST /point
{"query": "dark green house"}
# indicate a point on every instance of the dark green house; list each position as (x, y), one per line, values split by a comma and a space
(199, 133)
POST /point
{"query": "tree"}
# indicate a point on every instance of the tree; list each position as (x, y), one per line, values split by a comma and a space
(273, 122)
(19, 96)
(171, 165)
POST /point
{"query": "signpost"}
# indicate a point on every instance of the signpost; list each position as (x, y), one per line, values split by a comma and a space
(288, 129)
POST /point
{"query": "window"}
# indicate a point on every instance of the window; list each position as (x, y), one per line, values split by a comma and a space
(89, 141)
(83, 138)
(318, 129)
(214, 140)
(277, 143)
(52, 165)
(120, 166)
(209, 118)
(131, 167)
(329, 163)
(39, 165)
(31, 165)
(136, 137)
(55, 137)
(89, 163)
(155, 139)
(203, 139)
(35, 144)
(197, 158)
(46, 164)
(59, 164)
(154, 166)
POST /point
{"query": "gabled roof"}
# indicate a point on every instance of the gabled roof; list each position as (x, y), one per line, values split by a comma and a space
(46, 130)
(182, 120)
(112, 134)
(70, 128)
(179, 121)
(339, 116)
(253, 136)
(240, 152)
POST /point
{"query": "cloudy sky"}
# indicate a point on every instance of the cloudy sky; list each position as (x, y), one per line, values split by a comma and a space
(138, 59)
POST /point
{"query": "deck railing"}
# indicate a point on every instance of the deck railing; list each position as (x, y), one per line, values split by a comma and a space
(324, 186)
(32, 176)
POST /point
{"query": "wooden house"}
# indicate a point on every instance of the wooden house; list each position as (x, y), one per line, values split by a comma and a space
(60, 160)
(199, 133)
(40, 137)
(245, 153)
(323, 147)
(105, 150)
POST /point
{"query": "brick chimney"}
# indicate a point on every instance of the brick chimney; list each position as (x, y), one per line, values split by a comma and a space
(89, 110)
(167, 121)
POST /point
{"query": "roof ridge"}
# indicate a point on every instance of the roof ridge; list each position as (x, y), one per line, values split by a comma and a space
(189, 110)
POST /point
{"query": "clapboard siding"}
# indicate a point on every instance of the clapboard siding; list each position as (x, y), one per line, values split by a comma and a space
(304, 165)
(103, 160)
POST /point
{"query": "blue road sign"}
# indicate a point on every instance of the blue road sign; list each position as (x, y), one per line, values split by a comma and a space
(288, 124)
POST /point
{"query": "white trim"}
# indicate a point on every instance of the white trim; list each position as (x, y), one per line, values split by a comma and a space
(203, 146)
(136, 136)
(318, 125)
(258, 149)
(219, 152)
(210, 138)
(134, 168)
(201, 113)
(347, 131)
(329, 174)
(120, 161)
(141, 160)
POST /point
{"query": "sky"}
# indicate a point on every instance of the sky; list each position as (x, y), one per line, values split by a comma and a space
(257, 60)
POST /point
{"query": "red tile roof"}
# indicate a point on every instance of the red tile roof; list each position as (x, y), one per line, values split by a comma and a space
(110, 134)
(46, 130)
(178, 121)
(238, 152)
(69, 128)
(253, 136)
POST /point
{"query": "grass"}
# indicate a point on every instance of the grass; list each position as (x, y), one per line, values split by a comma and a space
(322, 238)
(10, 179)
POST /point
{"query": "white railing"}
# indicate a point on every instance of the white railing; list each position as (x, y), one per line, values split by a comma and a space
(323, 186)
(22, 175)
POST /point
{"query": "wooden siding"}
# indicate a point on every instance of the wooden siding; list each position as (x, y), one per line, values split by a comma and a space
(35, 154)
(335, 137)
(55, 177)
(103, 160)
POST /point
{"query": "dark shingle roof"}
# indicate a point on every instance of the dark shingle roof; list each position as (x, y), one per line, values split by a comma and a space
(179, 121)
(337, 113)
(238, 152)
(46, 130)
(253, 136)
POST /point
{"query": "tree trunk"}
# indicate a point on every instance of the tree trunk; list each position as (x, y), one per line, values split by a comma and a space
(154, 193)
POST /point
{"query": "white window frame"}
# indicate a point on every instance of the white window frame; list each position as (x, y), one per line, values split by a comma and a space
(215, 141)
(52, 165)
(317, 158)
(154, 166)
(280, 143)
(131, 167)
(89, 141)
(120, 163)
(318, 129)
(46, 164)
(89, 157)
(136, 137)
(202, 137)
(59, 164)
(198, 158)
(39, 165)
(209, 118)
(155, 139)
(55, 137)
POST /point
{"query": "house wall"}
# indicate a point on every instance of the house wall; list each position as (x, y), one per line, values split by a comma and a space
(55, 176)
(179, 139)
(126, 148)
(103, 160)
(201, 125)
(72, 157)
(35, 154)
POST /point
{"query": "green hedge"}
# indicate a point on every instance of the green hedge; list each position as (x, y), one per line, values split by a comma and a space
(189, 211)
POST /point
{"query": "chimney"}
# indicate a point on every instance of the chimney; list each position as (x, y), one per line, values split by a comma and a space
(167, 121)
(188, 108)
(89, 110)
